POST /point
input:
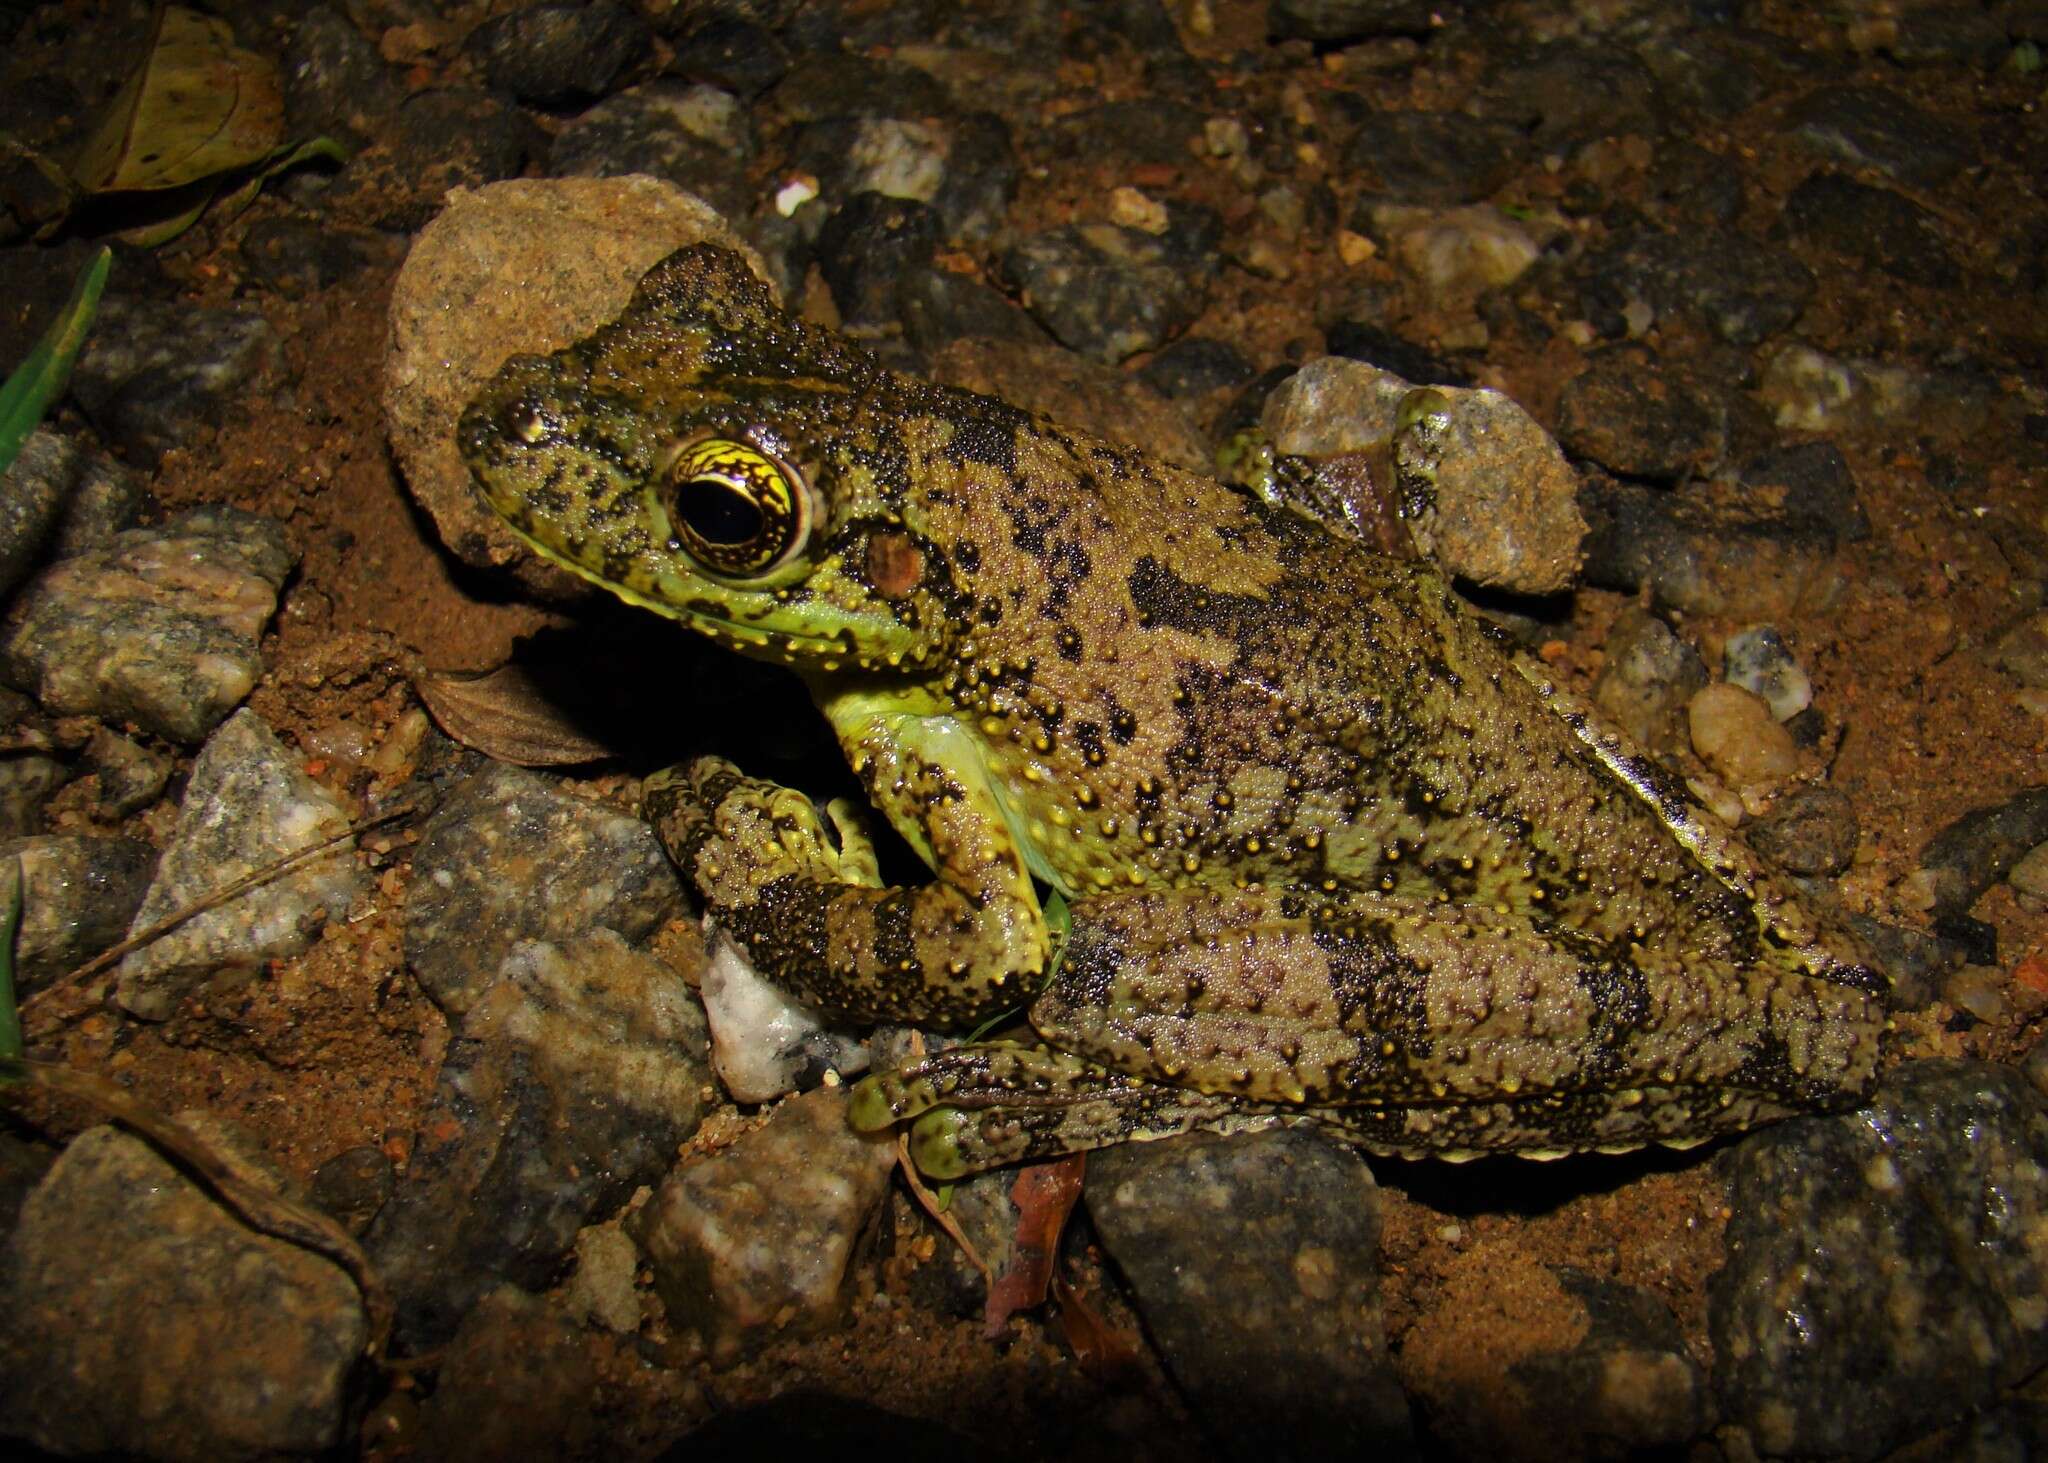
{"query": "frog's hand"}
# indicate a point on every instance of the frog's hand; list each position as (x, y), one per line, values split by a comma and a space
(813, 917)
(991, 1103)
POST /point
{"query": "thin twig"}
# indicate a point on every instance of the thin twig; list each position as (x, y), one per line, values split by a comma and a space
(113, 954)
(239, 1183)
(940, 1217)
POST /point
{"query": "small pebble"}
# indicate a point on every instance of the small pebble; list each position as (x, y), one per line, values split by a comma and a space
(2029, 879)
(1758, 661)
(1977, 989)
(1736, 735)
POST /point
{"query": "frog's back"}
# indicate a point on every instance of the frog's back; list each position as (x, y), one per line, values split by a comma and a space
(1183, 686)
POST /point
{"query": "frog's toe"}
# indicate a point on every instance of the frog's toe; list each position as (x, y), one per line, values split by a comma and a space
(888, 1098)
(943, 1146)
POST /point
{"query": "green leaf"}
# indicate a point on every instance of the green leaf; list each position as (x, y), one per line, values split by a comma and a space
(37, 381)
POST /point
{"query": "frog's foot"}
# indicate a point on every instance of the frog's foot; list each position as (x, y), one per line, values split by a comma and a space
(991, 1103)
(735, 835)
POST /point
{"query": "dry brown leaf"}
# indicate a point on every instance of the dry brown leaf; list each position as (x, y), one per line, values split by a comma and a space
(197, 107)
(505, 716)
(1045, 1194)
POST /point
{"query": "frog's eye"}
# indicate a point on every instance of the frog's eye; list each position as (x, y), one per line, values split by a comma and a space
(735, 508)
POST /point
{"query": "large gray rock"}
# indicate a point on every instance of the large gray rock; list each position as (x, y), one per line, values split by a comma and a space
(142, 1318)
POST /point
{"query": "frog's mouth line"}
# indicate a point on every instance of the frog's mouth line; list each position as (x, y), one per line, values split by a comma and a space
(719, 630)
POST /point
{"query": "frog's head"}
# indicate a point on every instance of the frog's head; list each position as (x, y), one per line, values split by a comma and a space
(710, 458)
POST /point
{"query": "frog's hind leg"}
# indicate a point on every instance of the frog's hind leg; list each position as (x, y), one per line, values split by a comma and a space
(992, 1103)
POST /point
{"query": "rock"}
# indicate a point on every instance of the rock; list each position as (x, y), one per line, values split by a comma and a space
(1364, 341)
(1136, 132)
(1977, 849)
(571, 1081)
(158, 374)
(441, 139)
(755, 1240)
(247, 804)
(1648, 676)
(516, 1381)
(334, 80)
(1328, 21)
(696, 137)
(2029, 878)
(1811, 830)
(763, 1043)
(1901, 1242)
(1567, 93)
(1742, 290)
(1546, 1364)
(728, 51)
(866, 249)
(1105, 291)
(1194, 366)
(552, 54)
(1735, 734)
(1636, 416)
(1715, 71)
(1494, 500)
(980, 1207)
(77, 896)
(1978, 990)
(1882, 229)
(1272, 1234)
(26, 782)
(1913, 960)
(1935, 35)
(353, 1186)
(938, 307)
(602, 1290)
(963, 167)
(142, 1318)
(1721, 547)
(1758, 660)
(1874, 127)
(131, 776)
(1812, 487)
(509, 856)
(837, 83)
(2022, 651)
(521, 266)
(1438, 159)
(1807, 390)
(159, 627)
(60, 498)
(1455, 254)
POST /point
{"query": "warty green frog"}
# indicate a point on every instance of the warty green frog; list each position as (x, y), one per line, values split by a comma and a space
(1328, 852)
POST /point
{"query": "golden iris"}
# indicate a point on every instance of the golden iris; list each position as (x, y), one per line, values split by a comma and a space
(734, 508)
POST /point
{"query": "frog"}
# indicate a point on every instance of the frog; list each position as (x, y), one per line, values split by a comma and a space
(1256, 825)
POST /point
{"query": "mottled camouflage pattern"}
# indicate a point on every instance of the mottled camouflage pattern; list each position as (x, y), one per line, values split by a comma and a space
(1328, 849)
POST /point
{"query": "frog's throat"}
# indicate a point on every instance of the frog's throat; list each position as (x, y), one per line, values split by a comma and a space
(829, 653)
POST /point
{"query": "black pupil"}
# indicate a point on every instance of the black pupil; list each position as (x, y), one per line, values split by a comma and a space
(719, 513)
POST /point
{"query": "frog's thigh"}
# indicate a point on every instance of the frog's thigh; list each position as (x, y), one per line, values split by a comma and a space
(1414, 1004)
(812, 915)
